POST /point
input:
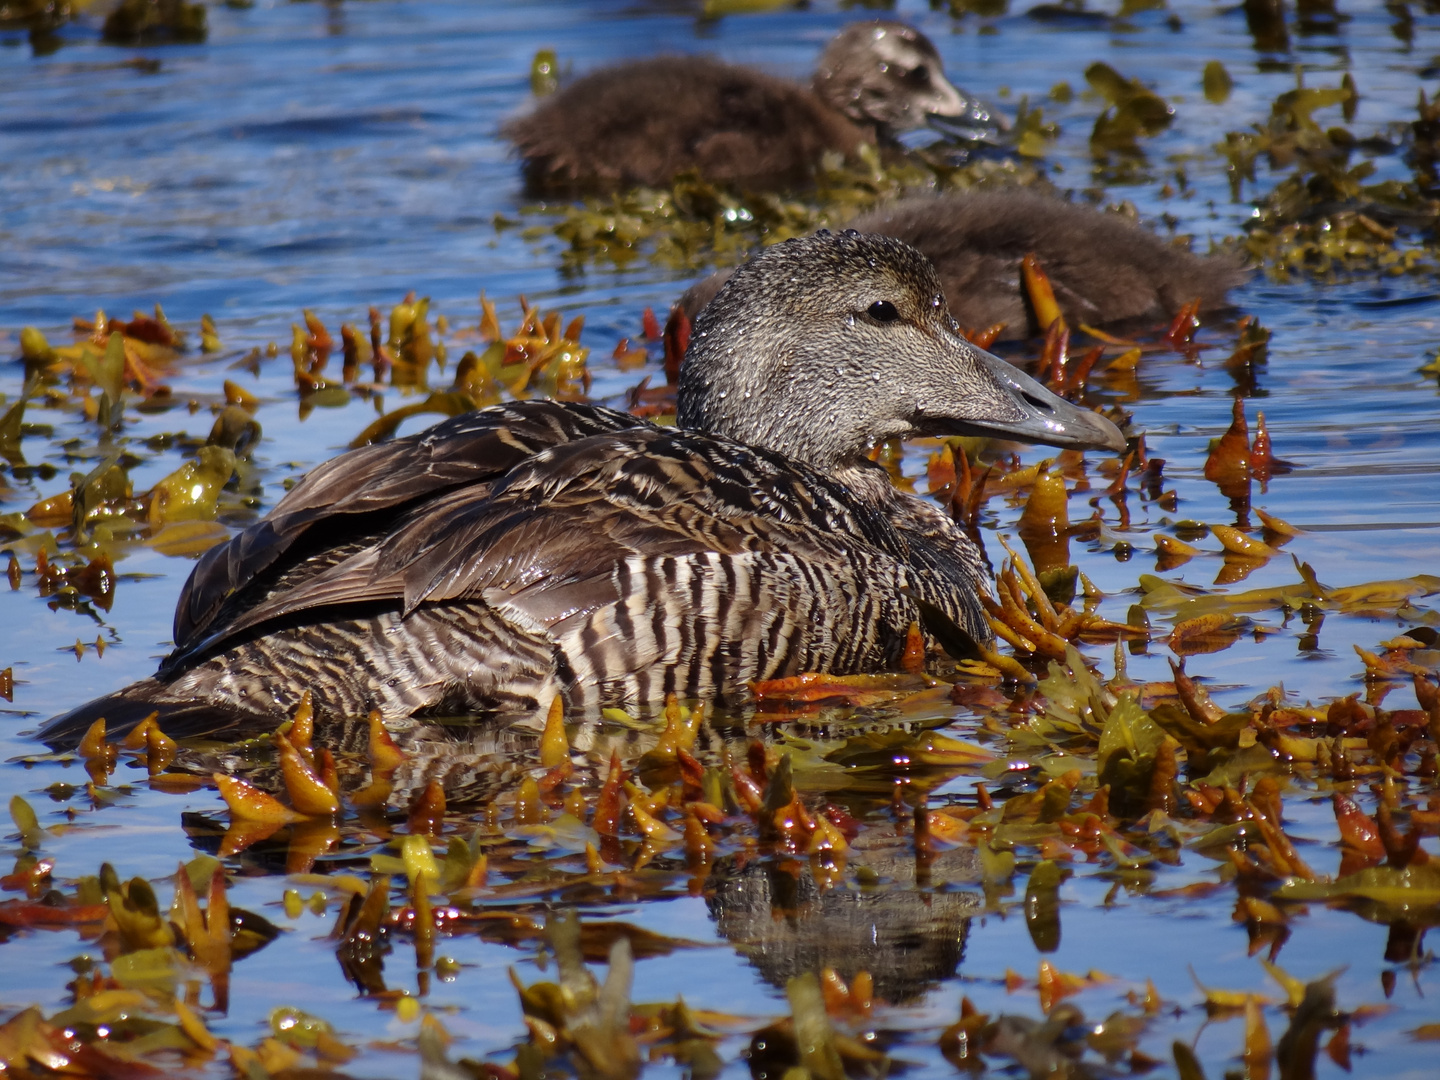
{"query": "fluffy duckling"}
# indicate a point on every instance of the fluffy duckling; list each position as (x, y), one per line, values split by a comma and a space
(544, 548)
(1104, 268)
(646, 122)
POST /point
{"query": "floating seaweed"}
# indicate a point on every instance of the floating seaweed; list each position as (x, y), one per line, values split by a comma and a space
(835, 810)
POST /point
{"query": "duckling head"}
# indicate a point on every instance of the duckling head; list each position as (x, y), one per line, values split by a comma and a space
(890, 76)
(823, 345)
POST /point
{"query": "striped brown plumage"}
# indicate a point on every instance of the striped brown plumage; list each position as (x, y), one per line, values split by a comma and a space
(615, 563)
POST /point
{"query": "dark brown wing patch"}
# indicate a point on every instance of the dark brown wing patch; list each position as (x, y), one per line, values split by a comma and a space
(359, 496)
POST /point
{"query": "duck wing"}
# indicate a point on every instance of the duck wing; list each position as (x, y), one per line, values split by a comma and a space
(343, 504)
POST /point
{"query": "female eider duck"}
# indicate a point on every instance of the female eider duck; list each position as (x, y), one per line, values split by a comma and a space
(648, 121)
(1105, 268)
(540, 548)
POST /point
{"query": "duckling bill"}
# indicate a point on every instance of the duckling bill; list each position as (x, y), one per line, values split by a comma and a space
(540, 548)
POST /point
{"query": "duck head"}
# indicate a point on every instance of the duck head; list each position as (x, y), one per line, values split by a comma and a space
(823, 345)
(888, 75)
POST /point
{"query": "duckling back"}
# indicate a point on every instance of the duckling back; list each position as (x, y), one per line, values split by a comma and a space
(1104, 267)
(645, 123)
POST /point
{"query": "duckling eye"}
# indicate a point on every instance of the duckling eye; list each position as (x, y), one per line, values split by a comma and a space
(883, 311)
(918, 76)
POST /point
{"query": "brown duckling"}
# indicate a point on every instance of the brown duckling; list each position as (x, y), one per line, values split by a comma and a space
(545, 548)
(646, 122)
(1104, 268)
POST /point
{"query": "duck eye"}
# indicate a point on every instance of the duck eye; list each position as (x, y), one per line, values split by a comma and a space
(918, 76)
(883, 311)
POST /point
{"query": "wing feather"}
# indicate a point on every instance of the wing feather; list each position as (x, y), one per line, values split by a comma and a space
(363, 491)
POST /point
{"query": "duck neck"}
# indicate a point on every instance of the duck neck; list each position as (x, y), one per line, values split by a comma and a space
(785, 408)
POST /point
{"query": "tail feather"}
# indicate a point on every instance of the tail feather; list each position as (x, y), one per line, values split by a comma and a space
(123, 710)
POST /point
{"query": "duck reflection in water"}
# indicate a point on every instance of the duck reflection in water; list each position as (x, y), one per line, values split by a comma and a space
(908, 935)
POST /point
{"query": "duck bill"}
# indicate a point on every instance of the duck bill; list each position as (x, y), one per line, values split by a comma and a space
(1009, 404)
(958, 115)
(1049, 418)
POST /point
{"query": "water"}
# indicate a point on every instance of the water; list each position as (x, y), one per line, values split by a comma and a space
(337, 156)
